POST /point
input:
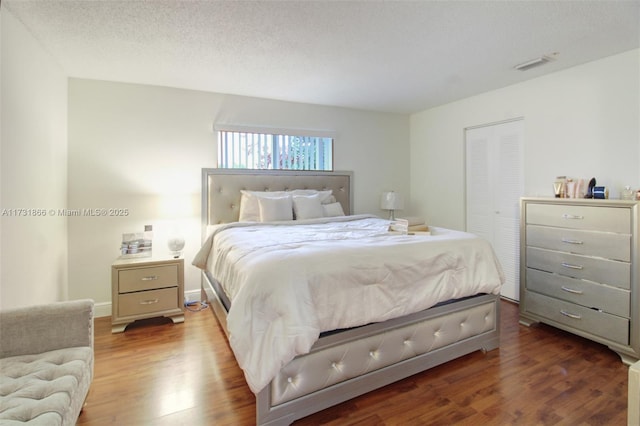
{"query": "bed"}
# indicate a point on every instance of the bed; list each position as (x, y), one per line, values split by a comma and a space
(325, 366)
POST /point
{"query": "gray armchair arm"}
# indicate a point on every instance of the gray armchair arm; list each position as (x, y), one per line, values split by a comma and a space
(42, 328)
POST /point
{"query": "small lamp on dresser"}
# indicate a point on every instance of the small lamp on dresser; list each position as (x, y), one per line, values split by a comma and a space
(391, 201)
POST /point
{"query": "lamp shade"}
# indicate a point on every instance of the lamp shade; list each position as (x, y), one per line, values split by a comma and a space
(391, 201)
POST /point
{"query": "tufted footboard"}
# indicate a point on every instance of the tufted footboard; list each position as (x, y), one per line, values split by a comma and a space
(349, 363)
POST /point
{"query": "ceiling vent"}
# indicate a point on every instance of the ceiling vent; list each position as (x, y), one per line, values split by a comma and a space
(533, 63)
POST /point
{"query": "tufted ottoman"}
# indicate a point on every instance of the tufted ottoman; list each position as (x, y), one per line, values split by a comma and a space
(46, 363)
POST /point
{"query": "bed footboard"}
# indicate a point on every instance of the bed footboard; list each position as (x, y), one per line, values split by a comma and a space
(350, 363)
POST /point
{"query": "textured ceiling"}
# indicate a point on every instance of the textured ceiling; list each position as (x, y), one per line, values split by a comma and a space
(394, 56)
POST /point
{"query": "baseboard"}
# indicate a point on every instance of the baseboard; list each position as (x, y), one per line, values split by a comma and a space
(103, 309)
(192, 296)
(633, 395)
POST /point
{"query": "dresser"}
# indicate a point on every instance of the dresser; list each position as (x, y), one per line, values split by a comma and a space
(579, 269)
(145, 288)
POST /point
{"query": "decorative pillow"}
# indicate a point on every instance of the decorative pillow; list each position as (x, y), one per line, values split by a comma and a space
(333, 209)
(249, 208)
(326, 196)
(307, 206)
(275, 209)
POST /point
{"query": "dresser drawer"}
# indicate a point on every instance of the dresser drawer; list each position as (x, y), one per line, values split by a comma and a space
(606, 219)
(148, 278)
(606, 326)
(611, 272)
(586, 293)
(601, 244)
(145, 302)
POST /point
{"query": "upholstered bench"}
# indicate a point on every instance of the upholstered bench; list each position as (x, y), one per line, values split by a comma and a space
(46, 363)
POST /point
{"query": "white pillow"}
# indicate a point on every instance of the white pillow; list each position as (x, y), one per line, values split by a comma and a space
(275, 209)
(333, 209)
(307, 206)
(326, 196)
(249, 208)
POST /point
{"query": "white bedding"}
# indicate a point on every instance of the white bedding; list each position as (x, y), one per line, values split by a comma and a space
(290, 281)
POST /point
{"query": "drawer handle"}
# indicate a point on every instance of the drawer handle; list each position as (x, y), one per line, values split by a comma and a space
(149, 302)
(572, 216)
(150, 278)
(570, 266)
(570, 241)
(570, 315)
(571, 290)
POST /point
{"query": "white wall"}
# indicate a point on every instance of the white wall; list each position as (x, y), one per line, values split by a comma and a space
(140, 147)
(582, 122)
(33, 257)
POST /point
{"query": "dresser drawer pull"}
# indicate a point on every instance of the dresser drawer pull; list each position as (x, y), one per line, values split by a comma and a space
(572, 216)
(570, 315)
(570, 266)
(571, 290)
(149, 302)
(570, 241)
(150, 278)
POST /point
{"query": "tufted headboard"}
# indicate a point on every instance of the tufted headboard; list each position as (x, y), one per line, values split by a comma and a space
(221, 188)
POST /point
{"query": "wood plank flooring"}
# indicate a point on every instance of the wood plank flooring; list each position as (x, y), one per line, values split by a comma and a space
(158, 373)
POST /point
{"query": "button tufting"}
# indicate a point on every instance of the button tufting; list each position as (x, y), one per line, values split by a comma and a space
(290, 379)
(42, 384)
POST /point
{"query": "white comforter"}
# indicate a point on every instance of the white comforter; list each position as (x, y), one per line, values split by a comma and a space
(290, 281)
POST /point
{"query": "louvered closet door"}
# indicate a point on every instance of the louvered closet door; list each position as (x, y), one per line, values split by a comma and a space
(494, 185)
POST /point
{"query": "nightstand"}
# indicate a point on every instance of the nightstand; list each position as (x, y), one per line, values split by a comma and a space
(146, 287)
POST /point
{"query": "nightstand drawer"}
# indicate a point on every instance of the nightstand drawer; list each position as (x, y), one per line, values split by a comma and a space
(610, 327)
(145, 302)
(586, 293)
(148, 278)
(606, 219)
(601, 244)
(611, 272)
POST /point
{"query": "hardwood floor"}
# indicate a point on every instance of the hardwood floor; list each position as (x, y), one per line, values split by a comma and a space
(158, 373)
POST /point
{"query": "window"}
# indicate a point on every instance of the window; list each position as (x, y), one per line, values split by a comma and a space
(272, 150)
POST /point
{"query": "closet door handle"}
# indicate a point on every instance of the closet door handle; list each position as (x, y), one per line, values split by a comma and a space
(570, 266)
(570, 241)
(570, 315)
(571, 290)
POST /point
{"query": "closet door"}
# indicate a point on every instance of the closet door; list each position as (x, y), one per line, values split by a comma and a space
(494, 185)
